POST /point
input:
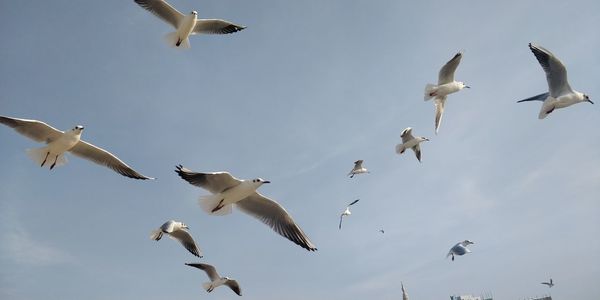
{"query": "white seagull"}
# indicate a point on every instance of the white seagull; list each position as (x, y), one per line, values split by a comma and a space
(186, 25)
(177, 231)
(549, 284)
(560, 93)
(358, 169)
(59, 142)
(446, 86)
(228, 191)
(347, 212)
(215, 279)
(410, 142)
(459, 249)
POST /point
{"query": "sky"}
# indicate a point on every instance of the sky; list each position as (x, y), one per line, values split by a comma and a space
(308, 88)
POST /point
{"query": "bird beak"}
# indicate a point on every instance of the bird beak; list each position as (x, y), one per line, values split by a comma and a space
(468, 87)
(266, 181)
(590, 101)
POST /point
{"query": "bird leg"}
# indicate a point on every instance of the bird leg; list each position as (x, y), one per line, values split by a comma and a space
(219, 206)
(47, 153)
(178, 42)
(54, 164)
(551, 110)
(452, 257)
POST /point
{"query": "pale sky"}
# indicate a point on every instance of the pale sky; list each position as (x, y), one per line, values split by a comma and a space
(308, 88)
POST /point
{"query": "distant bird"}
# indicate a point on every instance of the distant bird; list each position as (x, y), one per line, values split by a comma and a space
(381, 230)
(460, 249)
(347, 212)
(560, 93)
(59, 142)
(446, 86)
(216, 280)
(549, 284)
(177, 231)
(358, 169)
(186, 25)
(228, 191)
(404, 294)
(410, 142)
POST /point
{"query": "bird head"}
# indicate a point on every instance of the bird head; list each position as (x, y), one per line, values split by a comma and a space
(195, 13)
(462, 85)
(424, 139)
(467, 242)
(586, 98)
(184, 226)
(78, 129)
(259, 181)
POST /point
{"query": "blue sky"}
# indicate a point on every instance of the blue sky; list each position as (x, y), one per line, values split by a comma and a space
(308, 88)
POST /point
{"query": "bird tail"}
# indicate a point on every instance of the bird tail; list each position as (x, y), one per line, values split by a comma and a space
(207, 286)
(173, 40)
(400, 148)
(210, 203)
(42, 158)
(429, 91)
(156, 234)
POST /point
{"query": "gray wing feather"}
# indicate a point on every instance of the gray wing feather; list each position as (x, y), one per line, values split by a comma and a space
(105, 158)
(216, 26)
(556, 73)
(33, 129)
(187, 241)
(213, 182)
(446, 74)
(417, 150)
(406, 135)
(163, 10)
(541, 97)
(234, 286)
(276, 217)
(210, 270)
(341, 218)
(439, 112)
(353, 202)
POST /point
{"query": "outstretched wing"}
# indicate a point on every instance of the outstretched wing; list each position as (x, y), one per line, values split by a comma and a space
(163, 10)
(213, 182)
(234, 286)
(216, 26)
(406, 135)
(353, 202)
(556, 73)
(210, 270)
(439, 111)
(446, 74)
(33, 129)
(187, 241)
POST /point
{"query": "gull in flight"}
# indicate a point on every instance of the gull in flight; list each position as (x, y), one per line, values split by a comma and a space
(410, 142)
(446, 86)
(560, 93)
(177, 231)
(358, 169)
(404, 293)
(59, 142)
(228, 191)
(381, 230)
(215, 279)
(460, 249)
(347, 212)
(549, 284)
(186, 25)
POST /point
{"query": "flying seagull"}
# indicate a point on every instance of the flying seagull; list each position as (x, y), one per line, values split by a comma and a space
(59, 142)
(404, 293)
(549, 284)
(177, 231)
(228, 191)
(381, 230)
(347, 212)
(446, 86)
(410, 142)
(460, 249)
(216, 280)
(560, 93)
(358, 169)
(186, 25)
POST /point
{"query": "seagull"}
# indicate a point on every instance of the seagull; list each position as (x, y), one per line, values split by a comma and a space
(560, 93)
(215, 279)
(460, 249)
(446, 86)
(228, 191)
(409, 141)
(177, 231)
(347, 212)
(358, 169)
(59, 142)
(381, 230)
(404, 294)
(186, 25)
(549, 284)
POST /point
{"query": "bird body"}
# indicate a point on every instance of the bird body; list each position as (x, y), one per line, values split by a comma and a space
(55, 149)
(460, 249)
(410, 142)
(177, 231)
(181, 35)
(443, 90)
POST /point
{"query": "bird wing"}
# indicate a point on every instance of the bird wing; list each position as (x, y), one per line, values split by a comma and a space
(447, 71)
(541, 97)
(417, 150)
(234, 286)
(341, 218)
(439, 111)
(102, 157)
(168, 226)
(33, 129)
(353, 202)
(214, 182)
(210, 270)
(215, 26)
(163, 10)
(358, 164)
(406, 135)
(556, 73)
(187, 241)
(275, 216)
